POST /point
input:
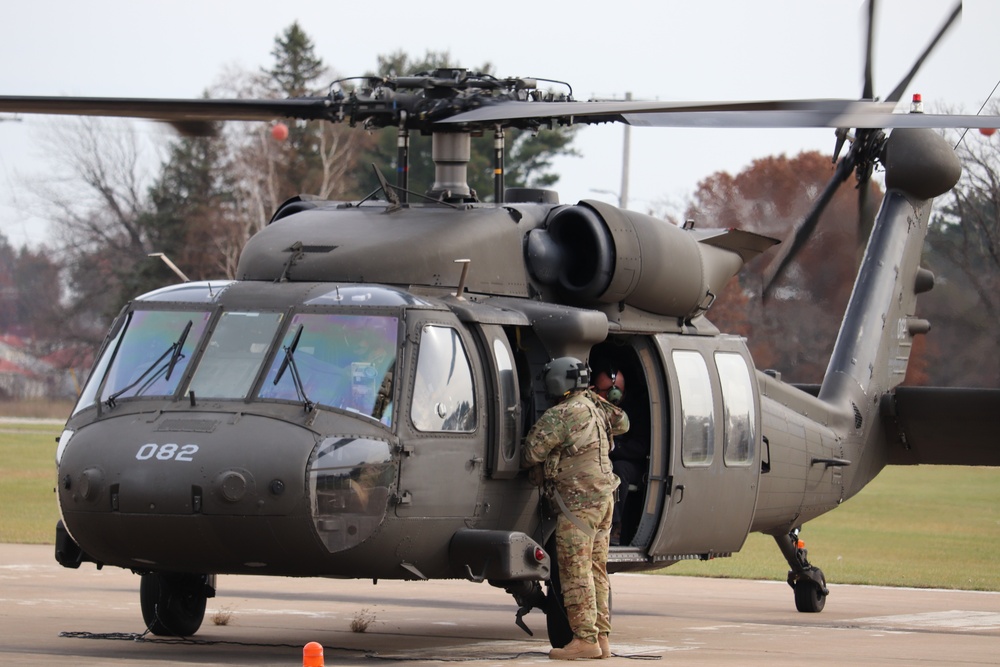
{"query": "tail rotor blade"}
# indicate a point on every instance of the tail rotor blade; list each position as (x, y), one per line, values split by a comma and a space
(897, 93)
(868, 92)
(865, 222)
(791, 246)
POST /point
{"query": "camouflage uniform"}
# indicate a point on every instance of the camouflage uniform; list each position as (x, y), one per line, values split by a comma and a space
(573, 440)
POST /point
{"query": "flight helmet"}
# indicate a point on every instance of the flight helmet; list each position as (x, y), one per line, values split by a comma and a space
(564, 374)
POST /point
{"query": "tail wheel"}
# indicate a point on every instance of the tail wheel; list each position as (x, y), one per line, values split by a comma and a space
(809, 596)
(173, 605)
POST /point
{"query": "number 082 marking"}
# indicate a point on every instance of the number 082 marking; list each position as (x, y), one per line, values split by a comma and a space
(167, 452)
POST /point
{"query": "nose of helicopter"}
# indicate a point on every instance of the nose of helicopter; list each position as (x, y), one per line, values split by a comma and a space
(218, 492)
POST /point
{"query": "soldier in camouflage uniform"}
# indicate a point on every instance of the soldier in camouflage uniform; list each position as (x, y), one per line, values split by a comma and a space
(572, 441)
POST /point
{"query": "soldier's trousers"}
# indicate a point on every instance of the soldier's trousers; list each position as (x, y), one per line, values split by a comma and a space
(583, 569)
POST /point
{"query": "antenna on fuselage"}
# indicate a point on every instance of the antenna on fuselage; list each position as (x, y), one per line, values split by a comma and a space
(171, 265)
(465, 274)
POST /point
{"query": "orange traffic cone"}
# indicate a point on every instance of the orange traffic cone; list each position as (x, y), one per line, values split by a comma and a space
(312, 655)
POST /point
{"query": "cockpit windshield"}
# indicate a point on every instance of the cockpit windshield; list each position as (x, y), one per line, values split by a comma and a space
(343, 361)
(334, 359)
(234, 355)
(150, 356)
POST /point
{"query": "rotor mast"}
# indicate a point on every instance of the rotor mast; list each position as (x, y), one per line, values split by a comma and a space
(451, 152)
(420, 101)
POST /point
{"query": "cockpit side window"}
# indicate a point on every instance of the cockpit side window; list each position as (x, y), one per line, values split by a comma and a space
(444, 397)
(508, 400)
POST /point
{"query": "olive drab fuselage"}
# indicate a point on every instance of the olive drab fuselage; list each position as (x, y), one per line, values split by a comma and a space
(282, 424)
(354, 402)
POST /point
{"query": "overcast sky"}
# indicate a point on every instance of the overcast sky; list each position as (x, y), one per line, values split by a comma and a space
(667, 50)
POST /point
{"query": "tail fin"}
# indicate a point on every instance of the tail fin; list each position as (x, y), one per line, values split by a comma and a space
(873, 347)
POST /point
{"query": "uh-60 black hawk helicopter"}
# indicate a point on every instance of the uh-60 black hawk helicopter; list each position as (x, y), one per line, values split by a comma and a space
(353, 403)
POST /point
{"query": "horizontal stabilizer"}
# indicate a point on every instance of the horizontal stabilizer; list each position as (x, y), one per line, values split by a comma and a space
(942, 426)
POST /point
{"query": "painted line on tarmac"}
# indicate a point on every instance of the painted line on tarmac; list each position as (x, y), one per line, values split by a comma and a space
(956, 619)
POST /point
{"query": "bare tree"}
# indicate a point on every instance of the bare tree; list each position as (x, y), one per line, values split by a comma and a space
(96, 193)
(95, 198)
(963, 251)
(971, 220)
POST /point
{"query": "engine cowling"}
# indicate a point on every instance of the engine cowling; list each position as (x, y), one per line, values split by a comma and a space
(595, 252)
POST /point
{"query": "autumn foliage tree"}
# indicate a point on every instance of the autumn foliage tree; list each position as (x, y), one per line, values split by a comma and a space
(794, 330)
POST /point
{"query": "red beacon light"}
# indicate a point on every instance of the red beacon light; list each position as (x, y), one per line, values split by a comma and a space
(917, 105)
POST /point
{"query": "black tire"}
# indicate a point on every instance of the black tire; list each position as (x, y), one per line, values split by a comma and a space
(809, 596)
(173, 605)
(556, 621)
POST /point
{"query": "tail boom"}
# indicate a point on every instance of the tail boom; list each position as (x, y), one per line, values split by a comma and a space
(873, 347)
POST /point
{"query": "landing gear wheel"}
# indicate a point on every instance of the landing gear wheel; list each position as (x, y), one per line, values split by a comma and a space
(806, 581)
(809, 596)
(173, 605)
(556, 621)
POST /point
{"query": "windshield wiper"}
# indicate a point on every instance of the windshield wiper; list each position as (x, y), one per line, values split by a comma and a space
(175, 354)
(175, 357)
(289, 362)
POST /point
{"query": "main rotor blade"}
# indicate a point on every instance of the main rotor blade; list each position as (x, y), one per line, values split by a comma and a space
(898, 91)
(791, 246)
(806, 112)
(779, 119)
(834, 113)
(169, 110)
(782, 113)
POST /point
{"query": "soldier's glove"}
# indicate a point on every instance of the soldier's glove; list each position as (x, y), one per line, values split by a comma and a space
(536, 474)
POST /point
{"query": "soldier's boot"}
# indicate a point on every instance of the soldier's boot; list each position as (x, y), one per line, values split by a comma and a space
(578, 648)
(605, 643)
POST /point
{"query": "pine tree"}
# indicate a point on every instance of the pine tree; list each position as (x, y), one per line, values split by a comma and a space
(191, 213)
(296, 66)
(295, 73)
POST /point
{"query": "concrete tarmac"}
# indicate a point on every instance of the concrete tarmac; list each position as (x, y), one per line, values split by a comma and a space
(50, 615)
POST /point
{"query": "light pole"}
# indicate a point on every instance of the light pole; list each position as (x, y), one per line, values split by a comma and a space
(627, 140)
(622, 194)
